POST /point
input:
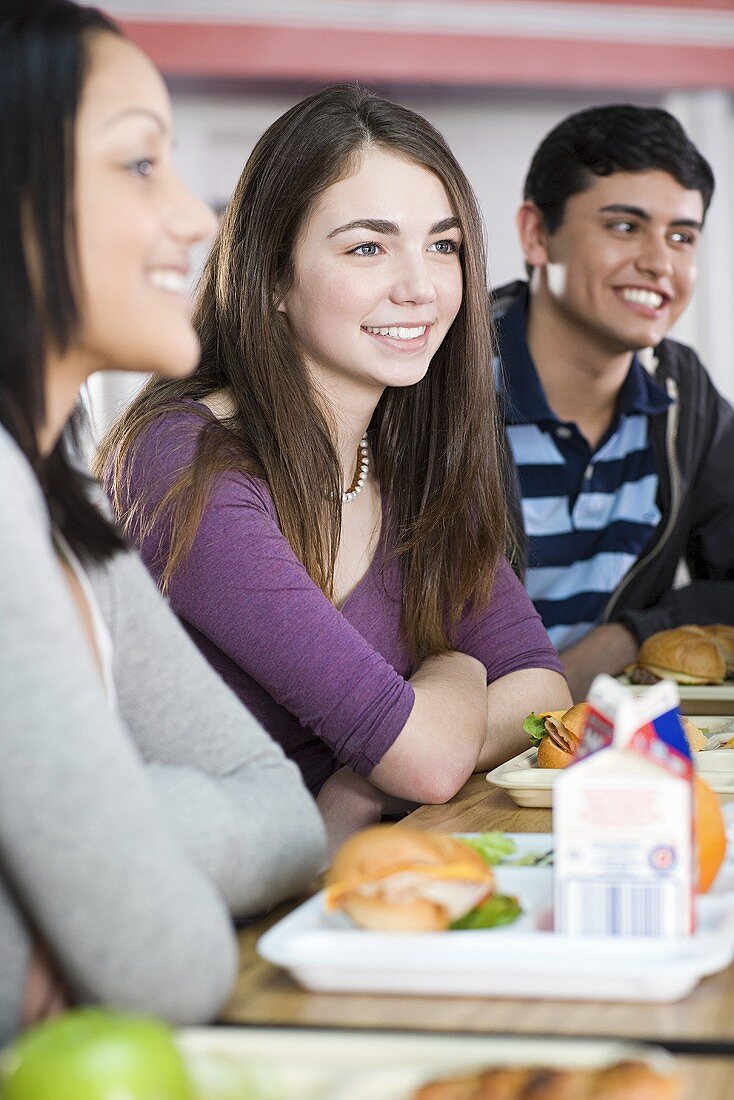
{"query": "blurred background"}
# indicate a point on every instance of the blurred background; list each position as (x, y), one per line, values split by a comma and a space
(493, 75)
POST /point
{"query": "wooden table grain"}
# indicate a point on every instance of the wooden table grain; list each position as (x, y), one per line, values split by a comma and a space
(707, 1078)
(701, 1023)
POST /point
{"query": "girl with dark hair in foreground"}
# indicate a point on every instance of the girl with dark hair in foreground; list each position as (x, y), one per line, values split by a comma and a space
(322, 500)
(140, 804)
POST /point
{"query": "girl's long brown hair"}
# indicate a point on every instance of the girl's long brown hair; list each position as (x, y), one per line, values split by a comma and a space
(435, 444)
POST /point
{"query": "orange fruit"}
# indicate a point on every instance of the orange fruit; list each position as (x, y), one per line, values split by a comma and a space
(709, 832)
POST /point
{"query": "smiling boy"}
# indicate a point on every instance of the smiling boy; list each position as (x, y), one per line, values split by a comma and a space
(622, 446)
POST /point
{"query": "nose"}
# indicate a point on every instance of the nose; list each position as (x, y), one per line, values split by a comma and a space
(655, 256)
(192, 219)
(413, 282)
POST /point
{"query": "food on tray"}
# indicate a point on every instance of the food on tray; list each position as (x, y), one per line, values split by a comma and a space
(724, 635)
(710, 833)
(401, 879)
(686, 654)
(556, 734)
(497, 910)
(492, 847)
(219, 1076)
(623, 1081)
(695, 736)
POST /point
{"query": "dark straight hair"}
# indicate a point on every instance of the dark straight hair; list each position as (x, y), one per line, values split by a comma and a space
(435, 444)
(44, 55)
(616, 138)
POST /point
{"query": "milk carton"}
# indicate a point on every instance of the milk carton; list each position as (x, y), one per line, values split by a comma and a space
(622, 819)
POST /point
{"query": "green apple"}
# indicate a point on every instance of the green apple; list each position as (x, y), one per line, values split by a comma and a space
(95, 1054)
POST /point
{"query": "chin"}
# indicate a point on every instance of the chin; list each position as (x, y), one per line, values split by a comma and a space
(404, 382)
(644, 340)
(621, 343)
(178, 359)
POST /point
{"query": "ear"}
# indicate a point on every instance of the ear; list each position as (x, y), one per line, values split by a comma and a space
(533, 236)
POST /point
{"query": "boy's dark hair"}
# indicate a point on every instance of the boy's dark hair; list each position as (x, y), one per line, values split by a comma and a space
(44, 59)
(603, 140)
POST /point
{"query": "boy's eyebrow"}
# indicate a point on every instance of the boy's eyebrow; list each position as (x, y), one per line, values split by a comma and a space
(376, 225)
(638, 212)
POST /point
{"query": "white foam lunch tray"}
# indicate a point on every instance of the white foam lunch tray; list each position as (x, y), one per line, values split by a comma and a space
(325, 951)
(329, 1064)
(531, 786)
(697, 698)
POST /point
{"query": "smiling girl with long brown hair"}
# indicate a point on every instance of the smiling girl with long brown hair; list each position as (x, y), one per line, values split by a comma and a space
(140, 805)
(323, 499)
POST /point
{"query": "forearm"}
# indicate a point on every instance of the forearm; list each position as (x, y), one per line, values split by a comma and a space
(437, 749)
(99, 869)
(348, 802)
(232, 800)
(608, 648)
(256, 834)
(701, 602)
(509, 700)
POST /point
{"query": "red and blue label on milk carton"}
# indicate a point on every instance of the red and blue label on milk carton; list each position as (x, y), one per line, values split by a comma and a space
(663, 742)
(622, 819)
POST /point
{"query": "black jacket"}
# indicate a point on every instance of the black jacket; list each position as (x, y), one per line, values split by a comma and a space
(693, 446)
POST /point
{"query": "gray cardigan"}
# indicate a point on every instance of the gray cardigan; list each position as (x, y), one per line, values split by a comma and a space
(127, 839)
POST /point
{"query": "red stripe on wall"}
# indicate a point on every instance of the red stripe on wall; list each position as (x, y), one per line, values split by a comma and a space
(708, 6)
(278, 53)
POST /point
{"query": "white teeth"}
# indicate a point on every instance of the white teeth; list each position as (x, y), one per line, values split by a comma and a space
(649, 298)
(165, 278)
(398, 333)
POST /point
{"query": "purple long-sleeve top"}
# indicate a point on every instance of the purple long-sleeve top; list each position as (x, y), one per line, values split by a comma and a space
(330, 684)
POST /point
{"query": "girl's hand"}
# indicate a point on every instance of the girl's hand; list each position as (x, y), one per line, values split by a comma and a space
(44, 994)
(348, 802)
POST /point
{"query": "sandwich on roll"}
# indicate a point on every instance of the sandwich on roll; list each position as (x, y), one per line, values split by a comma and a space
(686, 654)
(402, 879)
(630, 1080)
(724, 635)
(557, 734)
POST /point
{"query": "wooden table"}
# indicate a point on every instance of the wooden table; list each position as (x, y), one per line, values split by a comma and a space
(703, 1023)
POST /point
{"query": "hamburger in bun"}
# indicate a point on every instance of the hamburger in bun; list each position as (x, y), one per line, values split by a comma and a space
(724, 635)
(557, 734)
(686, 654)
(402, 879)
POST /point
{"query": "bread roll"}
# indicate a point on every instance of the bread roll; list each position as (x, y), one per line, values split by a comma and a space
(563, 737)
(622, 1081)
(724, 635)
(402, 879)
(685, 654)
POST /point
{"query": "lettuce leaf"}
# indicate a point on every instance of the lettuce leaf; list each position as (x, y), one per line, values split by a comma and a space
(492, 847)
(498, 910)
(535, 728)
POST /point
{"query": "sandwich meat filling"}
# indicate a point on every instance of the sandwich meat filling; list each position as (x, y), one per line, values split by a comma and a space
(456, 889)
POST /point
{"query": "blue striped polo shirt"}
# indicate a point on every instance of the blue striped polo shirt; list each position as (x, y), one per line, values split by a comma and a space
(587, 514)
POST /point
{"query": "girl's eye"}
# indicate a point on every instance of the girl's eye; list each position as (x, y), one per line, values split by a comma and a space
(446, 248)
(371, 248)
(142, 167)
